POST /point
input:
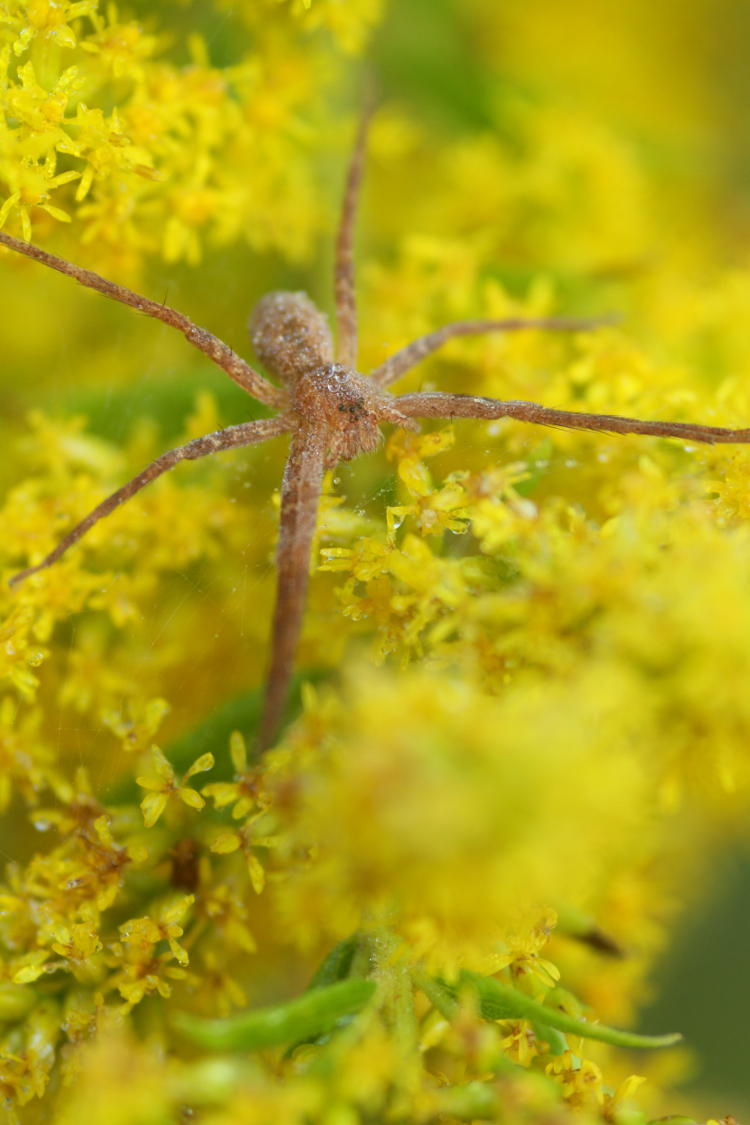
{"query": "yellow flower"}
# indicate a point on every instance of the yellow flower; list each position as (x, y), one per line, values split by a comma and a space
(580, 1079)
(162, 785)
(246, 791)
(137, 723)
(522, 948)
(77, 942)
(140, 970)
(427, 801)
(246, 841)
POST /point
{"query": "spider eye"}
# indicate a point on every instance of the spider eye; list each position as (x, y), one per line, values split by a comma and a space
(342, 408)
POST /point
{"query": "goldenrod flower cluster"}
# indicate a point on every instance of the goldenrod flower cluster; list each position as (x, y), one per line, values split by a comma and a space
(523, 721)
(160, 156)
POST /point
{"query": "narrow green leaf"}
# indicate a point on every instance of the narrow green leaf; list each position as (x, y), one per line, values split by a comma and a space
(554, 1039)
(501, 1002)
(314, 1013)
(335, 965)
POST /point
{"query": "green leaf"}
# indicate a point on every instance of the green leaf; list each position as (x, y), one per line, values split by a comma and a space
(335, 965)
(554, 1039)
(501, 1002)
(315, 1013)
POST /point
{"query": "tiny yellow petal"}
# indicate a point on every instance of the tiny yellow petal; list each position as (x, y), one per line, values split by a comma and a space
(150, 783)
(65, 178)
(28, 974)
(152, 806)
(191, 797)
(178, 952)
(238, 751)
(256, 873)
(7, 207)
(200, 765)
(221, 792)
(161, 765)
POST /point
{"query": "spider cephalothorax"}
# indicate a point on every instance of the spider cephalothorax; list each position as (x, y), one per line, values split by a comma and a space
(331, 411)
(348, 407)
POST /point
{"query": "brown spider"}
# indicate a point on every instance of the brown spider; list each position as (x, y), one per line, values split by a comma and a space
(331, 410)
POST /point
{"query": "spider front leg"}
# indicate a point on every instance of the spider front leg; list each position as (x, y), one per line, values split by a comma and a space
(300, 494)
(435, 404)
(248, 433)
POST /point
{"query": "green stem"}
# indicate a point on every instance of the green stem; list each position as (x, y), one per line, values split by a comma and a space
(314, 1013)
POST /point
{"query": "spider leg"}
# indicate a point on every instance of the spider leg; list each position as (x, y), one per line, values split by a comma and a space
(346, 308)
(300, 493)
(248, 433)
(399, 363)
(216, 350)
(434, 404)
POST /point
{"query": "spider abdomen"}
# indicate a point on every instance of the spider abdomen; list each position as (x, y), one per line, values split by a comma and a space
(290, 335)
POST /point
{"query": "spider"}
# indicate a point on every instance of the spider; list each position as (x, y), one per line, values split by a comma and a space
(331, 411)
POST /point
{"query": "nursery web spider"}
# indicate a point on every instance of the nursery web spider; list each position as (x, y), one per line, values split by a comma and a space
(331, 411)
